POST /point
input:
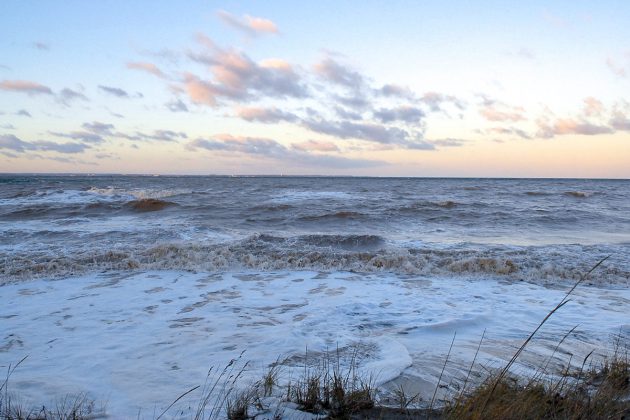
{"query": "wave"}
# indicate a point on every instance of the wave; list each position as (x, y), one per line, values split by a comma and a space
(334, 215)
(429, 205)
(357, 253)
(138, 193)
(148, 204)
(273, 207)
(578, 194)
(537, 193)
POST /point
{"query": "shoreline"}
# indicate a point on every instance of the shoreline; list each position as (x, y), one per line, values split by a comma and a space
(121, 320)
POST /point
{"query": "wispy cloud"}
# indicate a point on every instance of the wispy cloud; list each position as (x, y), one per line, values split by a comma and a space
(23, 113)
(249, 25)
(564, 126)
(177, 105)
(437, 101)
(146, 67)
(25, 86)
(118, 92)
(13, 143)
(66, 96)
(265, 115)
(617, 69)
(499, 112)
(271, 149)
(593, 107)
(405, 113)
(103, 129)
(315, 145)
(83, 136)
(42, 46)
(335, 72)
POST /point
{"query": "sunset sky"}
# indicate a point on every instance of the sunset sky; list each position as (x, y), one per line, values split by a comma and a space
(397, 88)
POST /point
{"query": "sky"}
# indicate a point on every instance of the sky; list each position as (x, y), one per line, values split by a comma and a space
(399, 88)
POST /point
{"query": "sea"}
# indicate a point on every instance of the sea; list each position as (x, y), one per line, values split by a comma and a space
(129, 288)
(532, 229)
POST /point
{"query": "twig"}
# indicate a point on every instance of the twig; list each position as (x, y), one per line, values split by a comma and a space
(441, 373)
(178, 398)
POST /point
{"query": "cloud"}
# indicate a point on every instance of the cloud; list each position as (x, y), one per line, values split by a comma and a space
(448, 142)
(11, 142)
(25, 86)
(156, 135)
(23, 113)
(146, 67)
(237, 77)
(315, 145)
(177, 105)
(226, 143)
(347, 115)
(7, 126)
(620, 121)
(249, 25)
(42, 46)
(100, 128)
(392, 90)
(332, 71)
(66, 96)
(120, 93)
(436, 101)
(405, 113)
(564, 126)
(368, 131)
(83, 136)
(593, 107)
(525, 53)
(247, 145)
(499, 112)
(620, 71)
(510, 131)
(265, 115)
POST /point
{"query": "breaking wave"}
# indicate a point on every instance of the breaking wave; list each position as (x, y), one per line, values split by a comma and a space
(357, 253)
(578, 194)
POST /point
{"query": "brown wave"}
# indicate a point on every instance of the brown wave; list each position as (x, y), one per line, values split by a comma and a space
(148, 204)
(578, 194)
(267, 253)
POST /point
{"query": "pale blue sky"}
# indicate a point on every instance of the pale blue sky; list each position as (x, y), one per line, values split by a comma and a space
(525, 88)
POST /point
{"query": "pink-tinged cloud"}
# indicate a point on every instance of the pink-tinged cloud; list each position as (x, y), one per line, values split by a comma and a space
(316, 146)
(249, 25)
(146, 67)
(199, 91)
(25, 86)
(593, 107)
(499, 112)
(238, 77)
(565, 126)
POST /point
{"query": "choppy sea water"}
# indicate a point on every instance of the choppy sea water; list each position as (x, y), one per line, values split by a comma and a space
(129, 288)
(536, 230)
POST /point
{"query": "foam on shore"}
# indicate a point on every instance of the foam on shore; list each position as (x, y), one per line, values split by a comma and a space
(138, 340)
